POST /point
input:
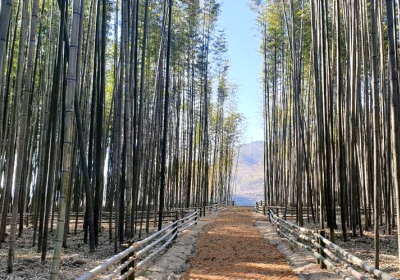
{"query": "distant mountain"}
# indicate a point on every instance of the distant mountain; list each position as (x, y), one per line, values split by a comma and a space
(249, 185)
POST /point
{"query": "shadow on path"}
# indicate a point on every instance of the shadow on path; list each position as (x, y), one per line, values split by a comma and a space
(232, 248)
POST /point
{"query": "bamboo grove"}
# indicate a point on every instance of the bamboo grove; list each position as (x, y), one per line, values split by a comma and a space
(331, 110)
(111, 106)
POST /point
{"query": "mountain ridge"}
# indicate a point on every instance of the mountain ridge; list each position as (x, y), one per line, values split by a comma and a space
(250, 181)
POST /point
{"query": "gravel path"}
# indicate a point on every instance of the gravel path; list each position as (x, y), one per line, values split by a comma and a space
(232, 248)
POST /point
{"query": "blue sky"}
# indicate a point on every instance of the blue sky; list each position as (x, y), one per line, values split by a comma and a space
(239, 24)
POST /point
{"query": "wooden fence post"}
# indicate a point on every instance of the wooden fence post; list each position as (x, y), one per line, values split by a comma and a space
(316, 241)
(264, 209)
(131, 264)
(322, 233)
(322, 244)
(277, 226)
(176, 228)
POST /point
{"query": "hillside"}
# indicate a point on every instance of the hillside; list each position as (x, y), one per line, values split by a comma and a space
(249, 186)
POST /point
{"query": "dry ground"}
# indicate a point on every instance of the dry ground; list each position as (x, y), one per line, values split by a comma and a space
(27, 264)
(174, 261)
(232, 248)
(363, 246)
(301, 261)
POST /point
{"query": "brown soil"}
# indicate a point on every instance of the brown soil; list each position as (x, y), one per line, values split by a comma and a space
(27, 264)
(363, 247)
(174, 261)
(232, 248)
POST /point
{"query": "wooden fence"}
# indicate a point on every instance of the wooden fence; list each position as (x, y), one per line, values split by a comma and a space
(261, 207)
(328, 254)
(168, 216)
(132, 261)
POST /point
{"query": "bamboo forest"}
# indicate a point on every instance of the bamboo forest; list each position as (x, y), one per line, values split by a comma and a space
(199, 139)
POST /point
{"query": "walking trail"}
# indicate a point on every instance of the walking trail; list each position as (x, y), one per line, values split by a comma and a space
(231, 247)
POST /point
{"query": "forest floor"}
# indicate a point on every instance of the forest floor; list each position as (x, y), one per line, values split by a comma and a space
(363, 247)
(301, 261)
(174, 261)
(76, 258)
(231, 247)
(236, 244)
(75, 261)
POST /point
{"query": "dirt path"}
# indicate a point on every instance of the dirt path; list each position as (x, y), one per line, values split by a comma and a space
(232, 248)
(174, 261)
(301, 261)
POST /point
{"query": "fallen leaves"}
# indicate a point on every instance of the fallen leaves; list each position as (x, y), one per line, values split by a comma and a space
(232, 248)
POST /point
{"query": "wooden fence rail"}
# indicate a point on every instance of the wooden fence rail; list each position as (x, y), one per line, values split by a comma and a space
(168, 215)
(291, 210)
(132, 261)
(328, 254)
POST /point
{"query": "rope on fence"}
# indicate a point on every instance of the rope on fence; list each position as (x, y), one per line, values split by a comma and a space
(146, 249)
(326, 252)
